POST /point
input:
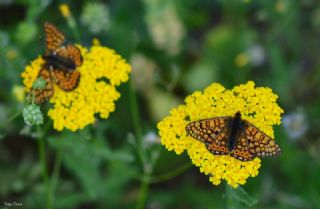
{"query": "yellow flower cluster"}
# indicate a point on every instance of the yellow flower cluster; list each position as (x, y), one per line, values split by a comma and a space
(19, 93)
(64, 9)
(101, 71)
(216, 101)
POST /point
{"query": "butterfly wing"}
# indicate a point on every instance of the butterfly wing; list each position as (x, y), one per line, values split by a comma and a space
(213, 132)
(70, 52)
(66, 80)
(259, 143)
(219, 145)
(241, 149)
(54, 38)
(46, 93)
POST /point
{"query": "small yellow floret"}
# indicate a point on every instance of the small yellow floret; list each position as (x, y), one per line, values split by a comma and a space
(64, 9)
(11, 54)
(19, 93)
(96, 42)
(242, 60)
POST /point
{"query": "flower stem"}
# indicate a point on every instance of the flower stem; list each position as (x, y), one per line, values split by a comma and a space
(41, 149)
(230, 201)
(72, 24)
(135, 112)
(55, 174)
(170, 174)
(136, 122)
(14, 116)
(144, 187)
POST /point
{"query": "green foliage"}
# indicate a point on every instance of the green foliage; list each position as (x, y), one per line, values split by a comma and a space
(238, 198)
(85, 159)
(25, 32)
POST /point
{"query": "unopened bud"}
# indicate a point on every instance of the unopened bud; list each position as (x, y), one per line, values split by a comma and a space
(39, 83)
(32, 115)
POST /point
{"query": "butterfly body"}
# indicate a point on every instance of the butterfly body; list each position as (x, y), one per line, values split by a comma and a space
(232, 135)
(235, 125)
(57, 62)
(60, 63)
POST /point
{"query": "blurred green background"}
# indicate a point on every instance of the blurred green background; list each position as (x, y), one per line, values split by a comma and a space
(175, 48)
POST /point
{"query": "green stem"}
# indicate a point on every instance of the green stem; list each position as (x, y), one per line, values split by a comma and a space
(136, 122)
(144, 188)
(42, 156)
(170, 174)
(230, 200)
(14, 116)
(135, 112)
(55, 174)
(72, 24)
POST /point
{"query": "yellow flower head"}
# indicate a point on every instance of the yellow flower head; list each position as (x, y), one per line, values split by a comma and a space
(12, 54)
(19, 93)
(64, 9)
(217, 101)
(241, 60)
(101, 71)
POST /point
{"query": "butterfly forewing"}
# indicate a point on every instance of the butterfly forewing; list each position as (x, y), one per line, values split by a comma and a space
(213, 132)
(46, 93)
(54, 38)
(259, 143)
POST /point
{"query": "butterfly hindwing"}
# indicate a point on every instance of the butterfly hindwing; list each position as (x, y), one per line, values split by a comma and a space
(219, 144)
(67, 81)
(259, 143)
(54, 38)
(213, 132)
(70, 52)
(241, 148)
(46, 93)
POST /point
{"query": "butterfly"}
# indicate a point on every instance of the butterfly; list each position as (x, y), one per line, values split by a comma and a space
(233, 135)
(60, 63)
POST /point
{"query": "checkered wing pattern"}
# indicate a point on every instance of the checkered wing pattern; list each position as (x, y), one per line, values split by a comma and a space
(213, 132)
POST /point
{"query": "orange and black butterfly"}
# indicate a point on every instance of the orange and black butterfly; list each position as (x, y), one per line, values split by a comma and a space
(234, 136)
(60, 63)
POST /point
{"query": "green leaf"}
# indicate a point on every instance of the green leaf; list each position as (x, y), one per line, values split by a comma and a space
(238, 198)
(87, 159)
(71, 200)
